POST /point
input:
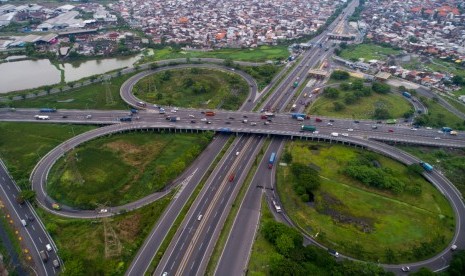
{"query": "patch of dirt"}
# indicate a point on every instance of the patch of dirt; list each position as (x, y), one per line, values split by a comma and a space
(334, 208)
(129, 228)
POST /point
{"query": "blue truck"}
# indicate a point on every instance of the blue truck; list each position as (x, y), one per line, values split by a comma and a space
(225, 130)
(446, 129)
(48, 110)
(272, 159)
(426, 166)
(407, 94)
(125, 119)
(297, 115)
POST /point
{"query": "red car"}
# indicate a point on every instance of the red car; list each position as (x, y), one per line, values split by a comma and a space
(231, 178)
(391, 130)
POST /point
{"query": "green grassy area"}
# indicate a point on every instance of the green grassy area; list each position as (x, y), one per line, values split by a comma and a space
(364, 222)
(185, 209)
(102, 246)
(228, 224)
(450, 161)
(259, 54)
(262, 250)
(119, 169)
(438, 116)
(460, 106)
(367, 51)
(195, 88)
(23, 144)
(102, 95)
(363, 108)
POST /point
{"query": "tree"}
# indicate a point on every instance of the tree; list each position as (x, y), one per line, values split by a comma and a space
(166, 76)
(287, 157)
(458, 80)
(338, 106)
(357, 84)
(381, 113)
(415, 169)
(381, 88)
(457, 264)
(28, 195)
(331, 93)
(424, 271)
(228, 62)
(340, 75)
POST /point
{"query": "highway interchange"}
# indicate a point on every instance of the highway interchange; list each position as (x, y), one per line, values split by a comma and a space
(193, 243)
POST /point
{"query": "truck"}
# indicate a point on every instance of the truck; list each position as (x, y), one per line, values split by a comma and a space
(426, 166)
(391, 121)
(407, 94)
(446, 129)
(48, 110)
(308, 128)
(269, 114)
(297, 115)
(225, 130)
(316, 91)
(272, 159)
(209, 113)
(41, 117)
(174, 119)
(43, 256)
(296, 83)
(125, 119)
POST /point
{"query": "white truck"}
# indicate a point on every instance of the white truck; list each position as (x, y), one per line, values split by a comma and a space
(42, 117)
(334, 134)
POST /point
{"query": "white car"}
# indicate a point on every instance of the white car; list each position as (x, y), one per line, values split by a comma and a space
(253, 124)
(437, 138)
(199, 217)
(173, 111)
(48, 247)
(350, 129)
(345, 134)
(191, 116)
(413, 129)
(330, 124)
(429, 128)
(203, 119)
(316, 132)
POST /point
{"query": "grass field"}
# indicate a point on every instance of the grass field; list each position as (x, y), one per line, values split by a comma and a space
(363, 108)
(367, 52)
(259, 54)
(364, 222)
(94, 96)
(122, 168)
(439, 116)
(262, 250)
(102, 246)
(23, 144)
(449, 160)
(196, 88)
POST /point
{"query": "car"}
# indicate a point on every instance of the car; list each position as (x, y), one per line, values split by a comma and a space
(231, 118)
(199, 217)
(203, 119)
(103, 211)
(245, 121)
(453, 247)
(356, 122)
(374, 127)
(266, 123)
(437, 138)
(316, 132)
(64, 116)
(333, 252)
(191, 116)
(30, 217)
(56, 264)
(48, 247)
(329, 124)
(440, 131)
(193, 122)
(165, 274)
(209, 122)
(253, 124)
(379, 122)
(173, 111)
(89, 116)
(405, 269)
(269, 120)
(23, 222)
(245, 116)
(350, 129)
(345, 134)
(332, 121)
(237, 153)
(413, 128)
(390, 130)
(228, 123)
(176, 108)
(429, 128)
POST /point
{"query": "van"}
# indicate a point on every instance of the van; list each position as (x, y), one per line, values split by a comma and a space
(44, 256)
(23, 222)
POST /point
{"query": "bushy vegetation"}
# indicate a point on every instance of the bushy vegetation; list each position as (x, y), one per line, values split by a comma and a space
(262, 74)
(292, 258)
(366, 169)
(438, 116)
(340, 75)
(305, 179)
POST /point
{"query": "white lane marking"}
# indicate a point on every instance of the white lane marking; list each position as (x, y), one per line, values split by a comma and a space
(40, 240)
(33, 227)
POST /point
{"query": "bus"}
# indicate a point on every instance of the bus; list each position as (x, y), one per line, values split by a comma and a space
(272, 159)
(391, 121)
(277, 207)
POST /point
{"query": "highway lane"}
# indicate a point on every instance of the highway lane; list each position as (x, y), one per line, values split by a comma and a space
(198, 235)
(236, 252)
(33, 235)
